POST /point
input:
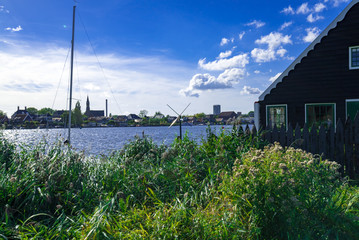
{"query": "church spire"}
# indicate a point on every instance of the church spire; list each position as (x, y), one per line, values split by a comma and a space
(87, 105)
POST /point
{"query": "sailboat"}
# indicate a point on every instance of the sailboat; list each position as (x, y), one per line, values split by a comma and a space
(68, 141)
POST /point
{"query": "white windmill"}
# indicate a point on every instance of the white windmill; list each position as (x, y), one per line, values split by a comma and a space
(178, 118)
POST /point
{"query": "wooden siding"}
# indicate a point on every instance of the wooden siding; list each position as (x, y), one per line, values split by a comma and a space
(323, 76)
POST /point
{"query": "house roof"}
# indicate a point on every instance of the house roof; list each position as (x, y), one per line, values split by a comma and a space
(339, 18)
(227, 114)
(22, 117)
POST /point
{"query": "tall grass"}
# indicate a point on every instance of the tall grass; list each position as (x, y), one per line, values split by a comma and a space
(230, 186)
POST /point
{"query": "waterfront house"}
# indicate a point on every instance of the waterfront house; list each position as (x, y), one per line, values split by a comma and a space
(321, 85)
(133, 117)
(21, 116)
(227, 115)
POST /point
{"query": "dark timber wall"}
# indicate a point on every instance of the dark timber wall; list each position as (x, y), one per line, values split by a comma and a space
(323, 76)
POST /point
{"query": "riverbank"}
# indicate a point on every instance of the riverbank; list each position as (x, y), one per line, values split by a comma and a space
(228, 186)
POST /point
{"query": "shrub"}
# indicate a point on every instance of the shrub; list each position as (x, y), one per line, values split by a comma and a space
(291, 194)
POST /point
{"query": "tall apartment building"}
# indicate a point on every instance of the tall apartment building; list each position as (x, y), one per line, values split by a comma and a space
(216, 109)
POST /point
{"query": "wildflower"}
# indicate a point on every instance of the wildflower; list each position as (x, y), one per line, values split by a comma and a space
(254, 160)
(58, 207)
(283, 167)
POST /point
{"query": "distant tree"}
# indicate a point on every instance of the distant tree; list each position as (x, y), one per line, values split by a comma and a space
(33, 111)
(77, 118)
(200, 115)
(2, 113)
(158, 115)
(44, 111)
(65, 118)
(143, 113)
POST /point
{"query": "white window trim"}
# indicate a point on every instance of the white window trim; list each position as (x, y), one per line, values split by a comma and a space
(350, 58)
(335, 111)
(286, 113)
(346, 107)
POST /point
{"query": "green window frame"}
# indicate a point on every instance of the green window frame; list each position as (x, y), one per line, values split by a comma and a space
(354, 57)
(320, 114)
(276, 115)
(351, 108)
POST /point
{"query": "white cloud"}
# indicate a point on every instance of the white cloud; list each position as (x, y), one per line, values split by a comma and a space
(239, 61)
(225, 41)
(263, 55)
(288, 10)
(17, 29)
(303, 9)
(272, 79)
(249, 90)
(2, 9)
(257, 72)
(232, 75)
(281, 52)
(274, 40)
(207, 82)
(336, 3)
(241, 35)
(319, 7)
(285, 25)
(28, 68)
(256, 23)
(225, 54)
(311, 18)
(312, 33)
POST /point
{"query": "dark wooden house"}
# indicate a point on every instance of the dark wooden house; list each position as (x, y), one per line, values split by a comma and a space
(322, 84)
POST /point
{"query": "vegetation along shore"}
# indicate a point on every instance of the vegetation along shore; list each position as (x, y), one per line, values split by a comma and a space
(230, 186)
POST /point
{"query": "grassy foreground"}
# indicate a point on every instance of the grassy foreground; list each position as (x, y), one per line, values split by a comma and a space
(228, 187)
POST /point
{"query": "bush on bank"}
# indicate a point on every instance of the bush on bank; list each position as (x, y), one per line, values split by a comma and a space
(228, 187)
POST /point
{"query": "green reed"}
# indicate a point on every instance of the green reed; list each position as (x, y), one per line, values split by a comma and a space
(230, 186)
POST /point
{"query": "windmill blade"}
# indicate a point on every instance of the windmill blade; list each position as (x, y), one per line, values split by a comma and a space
(185, 109)
(174, 121)
(173, 109)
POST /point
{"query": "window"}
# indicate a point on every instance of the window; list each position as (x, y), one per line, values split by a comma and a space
(277, 115)
(320, 114)
(352, 107)
(354, 57)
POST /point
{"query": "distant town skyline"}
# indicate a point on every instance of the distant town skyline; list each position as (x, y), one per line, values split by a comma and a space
(150, 53)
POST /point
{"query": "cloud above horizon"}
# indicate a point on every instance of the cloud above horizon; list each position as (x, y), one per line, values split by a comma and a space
(226, 41)
(312, 34)
(256, 23)
(35, 72)
(2, 9)
(17, 29)
(239, 61)
(304, 9)
(274, 42)
(204, 82)
(247, 90)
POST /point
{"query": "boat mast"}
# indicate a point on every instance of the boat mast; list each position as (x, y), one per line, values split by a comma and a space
(71, 74)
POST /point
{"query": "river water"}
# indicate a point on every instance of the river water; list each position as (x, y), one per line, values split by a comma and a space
(95, 141)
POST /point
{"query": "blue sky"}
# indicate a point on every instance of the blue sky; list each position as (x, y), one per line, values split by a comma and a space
(145, 54)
